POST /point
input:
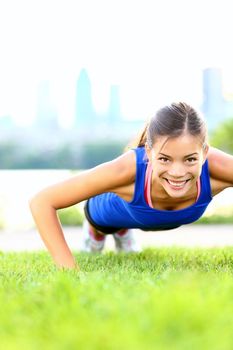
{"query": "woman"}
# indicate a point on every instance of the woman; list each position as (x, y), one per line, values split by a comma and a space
(166, 181)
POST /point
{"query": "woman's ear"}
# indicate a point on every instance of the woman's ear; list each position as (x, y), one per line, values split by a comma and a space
(205, 152)
(148, 152)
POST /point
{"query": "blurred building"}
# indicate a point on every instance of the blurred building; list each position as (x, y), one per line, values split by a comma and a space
(216, 106)
(114, 112)
(213, 103)
(46, 116)
(6, 122)
(84, 111)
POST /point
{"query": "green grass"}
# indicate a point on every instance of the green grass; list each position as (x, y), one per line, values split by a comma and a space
(221, 215)
(167, 298)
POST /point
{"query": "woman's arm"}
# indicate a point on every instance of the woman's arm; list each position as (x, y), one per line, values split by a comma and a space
(103, 178)
(221, 167)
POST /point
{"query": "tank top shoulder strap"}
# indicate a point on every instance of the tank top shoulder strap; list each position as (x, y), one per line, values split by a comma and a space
(205, 183)
(141, 164)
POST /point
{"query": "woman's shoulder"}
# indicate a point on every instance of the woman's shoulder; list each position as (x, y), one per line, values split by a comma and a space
(220, 167)
(125, 165)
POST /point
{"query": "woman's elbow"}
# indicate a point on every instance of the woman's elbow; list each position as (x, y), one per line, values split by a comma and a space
(34, 203)
(37, 202)
(41, 201)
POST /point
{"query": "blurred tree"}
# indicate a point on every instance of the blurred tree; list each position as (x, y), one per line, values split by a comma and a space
(97, 153)
(72, 216)
(8, 154)
(222, 136)
(15, 155)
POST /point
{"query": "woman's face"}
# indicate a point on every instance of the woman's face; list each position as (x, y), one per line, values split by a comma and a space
(177, 163)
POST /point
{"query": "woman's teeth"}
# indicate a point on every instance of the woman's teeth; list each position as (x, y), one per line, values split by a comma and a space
(178, 184)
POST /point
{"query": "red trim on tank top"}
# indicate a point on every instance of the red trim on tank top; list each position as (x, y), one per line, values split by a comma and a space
(147, 187)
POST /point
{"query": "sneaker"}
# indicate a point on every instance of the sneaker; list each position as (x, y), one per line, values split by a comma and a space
(89, 244)
(126, 242)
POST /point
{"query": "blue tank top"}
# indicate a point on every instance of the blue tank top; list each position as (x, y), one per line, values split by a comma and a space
(110, 210)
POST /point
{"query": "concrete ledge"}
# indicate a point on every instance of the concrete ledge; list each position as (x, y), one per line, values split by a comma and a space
(184, 236)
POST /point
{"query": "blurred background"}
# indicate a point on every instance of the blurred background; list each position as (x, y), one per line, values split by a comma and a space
(79, 79)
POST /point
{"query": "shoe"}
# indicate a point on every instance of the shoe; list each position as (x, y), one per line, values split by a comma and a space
(126, 242)
(89, 244)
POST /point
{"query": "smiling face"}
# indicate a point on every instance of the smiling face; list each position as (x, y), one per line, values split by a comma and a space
(177, 164)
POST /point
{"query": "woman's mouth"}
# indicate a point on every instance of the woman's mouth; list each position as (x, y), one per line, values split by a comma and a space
(177, 185)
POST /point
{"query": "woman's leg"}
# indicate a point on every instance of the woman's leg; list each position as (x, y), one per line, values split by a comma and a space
(92, 241)
(125, 241)
(96, 234)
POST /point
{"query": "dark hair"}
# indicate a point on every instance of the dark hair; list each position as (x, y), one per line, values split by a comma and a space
(172, 121)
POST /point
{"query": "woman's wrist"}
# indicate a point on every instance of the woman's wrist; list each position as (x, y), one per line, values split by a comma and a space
(66, 262)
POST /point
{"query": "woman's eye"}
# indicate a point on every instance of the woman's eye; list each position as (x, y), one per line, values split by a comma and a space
(191, 160)
(163, 159)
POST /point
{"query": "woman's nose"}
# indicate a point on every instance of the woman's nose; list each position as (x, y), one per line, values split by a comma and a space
(177, 170)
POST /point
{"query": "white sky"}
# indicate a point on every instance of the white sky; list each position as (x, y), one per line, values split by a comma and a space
(154, 50)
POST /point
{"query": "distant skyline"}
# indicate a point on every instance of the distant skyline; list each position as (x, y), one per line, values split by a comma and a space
(216, 104)
(155, 51)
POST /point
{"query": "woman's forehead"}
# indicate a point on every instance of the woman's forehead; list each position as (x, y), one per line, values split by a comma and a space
(184, 144)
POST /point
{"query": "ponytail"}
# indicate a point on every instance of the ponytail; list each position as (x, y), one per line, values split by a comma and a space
(139, 140)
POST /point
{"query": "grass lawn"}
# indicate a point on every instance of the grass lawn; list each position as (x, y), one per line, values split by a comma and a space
(166, 298)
